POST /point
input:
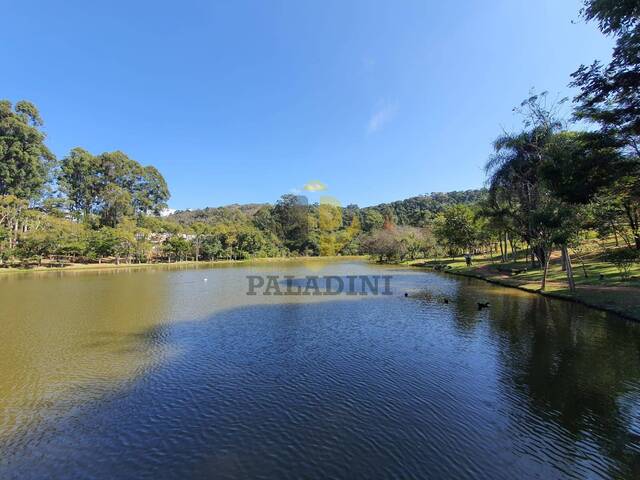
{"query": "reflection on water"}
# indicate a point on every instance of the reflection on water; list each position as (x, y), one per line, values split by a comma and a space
(161, 374)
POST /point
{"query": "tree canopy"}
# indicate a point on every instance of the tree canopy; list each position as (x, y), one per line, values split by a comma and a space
(25, 161)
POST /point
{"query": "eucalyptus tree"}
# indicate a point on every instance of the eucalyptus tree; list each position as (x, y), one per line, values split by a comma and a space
(25, 161)
(111, 185)
(78, 180)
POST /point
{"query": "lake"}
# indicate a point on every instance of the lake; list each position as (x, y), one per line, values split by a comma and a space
(178, 373)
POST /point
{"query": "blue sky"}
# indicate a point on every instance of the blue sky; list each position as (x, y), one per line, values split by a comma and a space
(241, 101)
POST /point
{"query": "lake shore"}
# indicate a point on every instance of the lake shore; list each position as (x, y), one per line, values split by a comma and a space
(74, 267)
(622, 300)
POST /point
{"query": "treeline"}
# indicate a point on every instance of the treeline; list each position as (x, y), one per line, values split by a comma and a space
(295, 227)
(82, 206)
(92, 208)
(550, 186)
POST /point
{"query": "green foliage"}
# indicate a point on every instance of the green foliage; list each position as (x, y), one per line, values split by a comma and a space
(373, 220)
(610, 94)
(25, 161)
(613, 16)
(291, 213)
(578, 165)
(458, 228)
(417, 211)
(623, 260)
(78, 180)
(177, 247)
(112, 186)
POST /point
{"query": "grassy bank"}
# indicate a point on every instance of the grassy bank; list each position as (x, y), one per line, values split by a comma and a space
(599, 284)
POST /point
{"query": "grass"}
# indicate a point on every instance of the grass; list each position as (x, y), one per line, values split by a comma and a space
(603, 286)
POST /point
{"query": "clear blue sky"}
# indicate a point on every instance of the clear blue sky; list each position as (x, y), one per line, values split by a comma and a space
(241, 101)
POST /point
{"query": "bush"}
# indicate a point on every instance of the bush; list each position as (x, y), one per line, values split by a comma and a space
(623, 261)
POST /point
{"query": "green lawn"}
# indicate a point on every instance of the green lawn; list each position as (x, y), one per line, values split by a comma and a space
(603, 285)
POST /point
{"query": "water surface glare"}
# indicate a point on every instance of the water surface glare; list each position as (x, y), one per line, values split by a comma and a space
(158, 373)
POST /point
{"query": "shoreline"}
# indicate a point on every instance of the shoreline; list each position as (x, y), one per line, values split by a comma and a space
(88, 267)
(505, 282)
(476, 273)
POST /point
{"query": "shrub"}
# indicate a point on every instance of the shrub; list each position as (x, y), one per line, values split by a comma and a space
(623, 260)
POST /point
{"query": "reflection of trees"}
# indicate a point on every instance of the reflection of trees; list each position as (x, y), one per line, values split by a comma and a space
(574, 368)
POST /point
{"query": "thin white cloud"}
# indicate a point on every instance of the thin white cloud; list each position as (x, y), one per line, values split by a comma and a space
(381, 117)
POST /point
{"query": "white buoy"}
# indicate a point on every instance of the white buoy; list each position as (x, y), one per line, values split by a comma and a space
(206, 279)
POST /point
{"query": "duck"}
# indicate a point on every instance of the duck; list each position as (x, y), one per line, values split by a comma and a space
(483, 305)
(446, 300)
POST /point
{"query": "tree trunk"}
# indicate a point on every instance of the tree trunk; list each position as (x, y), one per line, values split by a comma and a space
(568, 268)
(541, 254)
(546, 261)
(533, 257)
(633, 223)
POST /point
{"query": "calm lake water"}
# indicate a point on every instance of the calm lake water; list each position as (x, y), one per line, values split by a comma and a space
(158, 373)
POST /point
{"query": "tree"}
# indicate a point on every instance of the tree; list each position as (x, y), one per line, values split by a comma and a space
(112, 186)
(263, 219)
(576, 166)
(291, 213)
(78, 181)
(384, 244)
(514, 170)
(115, 205)
(610, 94)
(329, 221)
(177, 247)
(151, 192)
(200, 230)
(25, 161)
(36, 244)
(457, 228)
(373, 220)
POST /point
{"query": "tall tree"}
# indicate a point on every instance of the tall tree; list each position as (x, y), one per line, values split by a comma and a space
(25, 161)
(292, 216)
(610, 94)
(111, 185)
(78, 180)
(151, 192)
